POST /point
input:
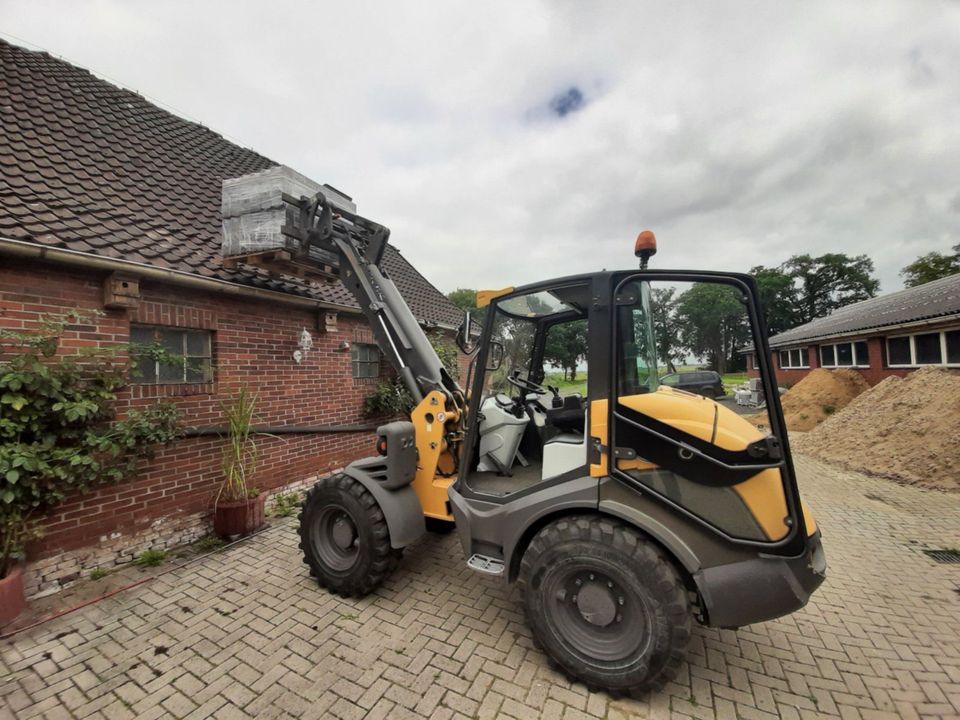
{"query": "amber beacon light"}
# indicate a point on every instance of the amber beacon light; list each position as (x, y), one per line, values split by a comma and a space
(645, 247)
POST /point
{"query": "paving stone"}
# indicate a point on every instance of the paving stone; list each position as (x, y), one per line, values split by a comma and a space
(880, 640)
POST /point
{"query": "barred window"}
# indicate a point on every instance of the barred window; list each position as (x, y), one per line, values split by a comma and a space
(366, 360)
(185, 356)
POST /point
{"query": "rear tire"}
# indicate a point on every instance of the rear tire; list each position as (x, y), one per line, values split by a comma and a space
(605, 605)
(344, 537)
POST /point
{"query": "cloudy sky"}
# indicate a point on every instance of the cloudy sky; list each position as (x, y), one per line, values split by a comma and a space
(508, 142)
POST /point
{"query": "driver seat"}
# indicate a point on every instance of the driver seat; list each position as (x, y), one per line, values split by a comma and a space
(569, 417)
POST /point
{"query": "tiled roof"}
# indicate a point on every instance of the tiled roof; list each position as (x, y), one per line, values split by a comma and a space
(88, 166)
(940, 298)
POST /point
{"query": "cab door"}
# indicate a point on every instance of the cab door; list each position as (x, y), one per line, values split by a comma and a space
(727, 466)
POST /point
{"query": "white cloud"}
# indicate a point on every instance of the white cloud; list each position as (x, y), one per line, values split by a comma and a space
(741, 133)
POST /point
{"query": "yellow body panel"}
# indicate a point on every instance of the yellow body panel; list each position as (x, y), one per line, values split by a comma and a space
(763, 494)
(484, 297)
(429, 419)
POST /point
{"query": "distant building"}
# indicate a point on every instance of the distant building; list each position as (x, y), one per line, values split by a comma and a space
(888, 335)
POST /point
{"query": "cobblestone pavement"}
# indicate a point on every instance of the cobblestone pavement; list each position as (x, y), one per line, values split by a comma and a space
(247, 633)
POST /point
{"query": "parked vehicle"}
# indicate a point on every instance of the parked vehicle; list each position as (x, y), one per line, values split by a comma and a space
(702, 382)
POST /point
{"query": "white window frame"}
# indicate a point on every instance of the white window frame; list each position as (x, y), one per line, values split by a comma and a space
(858, 362)
(913, 349)
(205, 358)
(754, 365)
(804, 355)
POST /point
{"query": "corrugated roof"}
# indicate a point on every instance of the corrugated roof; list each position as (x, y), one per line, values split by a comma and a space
(940, 298)
(91, 167)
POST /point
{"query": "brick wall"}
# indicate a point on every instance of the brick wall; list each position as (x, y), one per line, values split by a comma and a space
(876, 348)
(253, 345)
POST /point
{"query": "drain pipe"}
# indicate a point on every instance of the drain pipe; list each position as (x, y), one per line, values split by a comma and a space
(282, 430)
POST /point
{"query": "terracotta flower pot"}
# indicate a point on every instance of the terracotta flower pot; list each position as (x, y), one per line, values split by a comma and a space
(239, 517)
(12, 601)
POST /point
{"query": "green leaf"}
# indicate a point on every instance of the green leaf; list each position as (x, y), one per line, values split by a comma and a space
(7, 496)
(12, 476)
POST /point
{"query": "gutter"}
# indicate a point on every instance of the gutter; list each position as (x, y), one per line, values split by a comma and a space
(281, 430)
(34, 251)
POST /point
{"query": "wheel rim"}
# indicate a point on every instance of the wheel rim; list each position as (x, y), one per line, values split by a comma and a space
(335, 538)
(596, 614)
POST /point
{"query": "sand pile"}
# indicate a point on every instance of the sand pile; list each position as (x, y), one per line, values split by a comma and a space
(820, 394)
(906, 429)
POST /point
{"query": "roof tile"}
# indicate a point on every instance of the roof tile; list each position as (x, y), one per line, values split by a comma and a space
(940, 298)
(98, 169)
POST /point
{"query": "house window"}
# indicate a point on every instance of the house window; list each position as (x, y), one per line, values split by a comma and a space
(168, 355)
(753, 362)
(931, 348)
(795, 358)
(848, 354)
(366, 360)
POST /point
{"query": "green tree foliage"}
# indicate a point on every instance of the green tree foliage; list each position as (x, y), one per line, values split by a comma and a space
(59, 431)
(828, 282)
(566, 346)
(711, 322)
(663, 306)
(931, 266)
(778, 298)
(466, 300)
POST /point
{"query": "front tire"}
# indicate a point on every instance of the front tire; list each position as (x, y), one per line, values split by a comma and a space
(605, 605)
(344, 537)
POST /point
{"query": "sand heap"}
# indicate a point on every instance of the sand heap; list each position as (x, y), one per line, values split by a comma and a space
(906, 429)
(820, 394)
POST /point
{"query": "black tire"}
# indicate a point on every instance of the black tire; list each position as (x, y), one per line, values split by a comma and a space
(631, 587)
(344, 537)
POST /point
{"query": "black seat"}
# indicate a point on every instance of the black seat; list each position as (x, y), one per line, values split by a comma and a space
(569, 417)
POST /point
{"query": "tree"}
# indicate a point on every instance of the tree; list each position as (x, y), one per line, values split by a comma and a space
(828, 282)
(466, 300)
(566, 346)
(932, 266)
(712, 323)
(663, 306)
(777, 294)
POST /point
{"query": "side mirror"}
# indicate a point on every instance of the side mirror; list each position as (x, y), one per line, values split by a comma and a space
(465, 335)
(494, 356)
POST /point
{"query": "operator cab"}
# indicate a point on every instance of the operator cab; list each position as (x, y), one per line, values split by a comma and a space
(532, 419)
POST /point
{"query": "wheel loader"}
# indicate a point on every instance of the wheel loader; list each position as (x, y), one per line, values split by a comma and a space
(624, 513)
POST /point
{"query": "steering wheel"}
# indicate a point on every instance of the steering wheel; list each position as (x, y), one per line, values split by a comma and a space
(524, 384)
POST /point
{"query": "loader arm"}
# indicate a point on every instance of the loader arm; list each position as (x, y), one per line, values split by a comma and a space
(355, 246)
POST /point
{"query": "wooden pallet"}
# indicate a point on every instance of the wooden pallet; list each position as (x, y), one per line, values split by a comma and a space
(283, 262)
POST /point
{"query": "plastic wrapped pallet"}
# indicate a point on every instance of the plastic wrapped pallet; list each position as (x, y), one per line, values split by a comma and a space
(254, 212)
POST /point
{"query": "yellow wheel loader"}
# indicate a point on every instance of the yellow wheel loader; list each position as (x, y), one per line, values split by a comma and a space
(624, 513)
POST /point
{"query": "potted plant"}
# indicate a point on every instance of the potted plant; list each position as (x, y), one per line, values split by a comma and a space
(60, 435)
(238, 507)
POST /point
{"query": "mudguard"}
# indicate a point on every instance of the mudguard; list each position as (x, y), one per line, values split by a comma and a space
(400, 506)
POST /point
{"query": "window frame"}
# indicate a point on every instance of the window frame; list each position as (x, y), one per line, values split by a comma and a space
(858, 362)
(944, 358)
(184, 332)
(356, 363)
(804, 356)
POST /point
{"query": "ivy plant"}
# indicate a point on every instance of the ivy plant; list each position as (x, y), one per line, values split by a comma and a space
(391, 397)
(59, 429)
